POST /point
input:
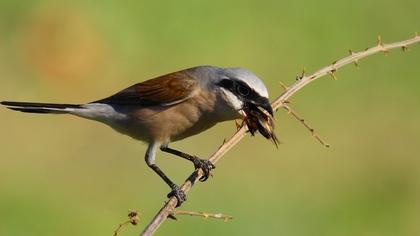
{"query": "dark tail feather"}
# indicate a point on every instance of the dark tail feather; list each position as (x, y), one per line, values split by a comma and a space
(41, 108)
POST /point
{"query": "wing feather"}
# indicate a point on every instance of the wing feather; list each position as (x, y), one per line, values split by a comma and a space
(165, 90)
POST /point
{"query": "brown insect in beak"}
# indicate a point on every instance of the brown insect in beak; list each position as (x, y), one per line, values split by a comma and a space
(261, 120)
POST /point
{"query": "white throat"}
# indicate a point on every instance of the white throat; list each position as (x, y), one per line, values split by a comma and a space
(231, 99)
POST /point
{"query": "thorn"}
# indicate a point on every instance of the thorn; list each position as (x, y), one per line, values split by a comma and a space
(380, 41)
(381, 44)
(332, 73)
(356, 63)
(299, 77)
(334, 62)
(172, 216)
(287, 101)
(404, 48)
(284, 86)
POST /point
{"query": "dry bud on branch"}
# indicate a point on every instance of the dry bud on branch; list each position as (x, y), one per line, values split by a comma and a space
(133, 219)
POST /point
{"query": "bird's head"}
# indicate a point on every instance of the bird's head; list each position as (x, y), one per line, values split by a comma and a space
(247, 95)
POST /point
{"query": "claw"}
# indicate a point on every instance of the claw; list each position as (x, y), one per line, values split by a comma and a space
(205, 165)
(179, 194)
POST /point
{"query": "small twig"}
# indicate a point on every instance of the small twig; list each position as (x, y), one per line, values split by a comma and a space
(301, 82)
(307, 126)
(205, 215)
(120, 226)
(133, 219)
(301, 120)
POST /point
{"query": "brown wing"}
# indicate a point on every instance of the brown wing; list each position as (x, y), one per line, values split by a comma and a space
(165, 90)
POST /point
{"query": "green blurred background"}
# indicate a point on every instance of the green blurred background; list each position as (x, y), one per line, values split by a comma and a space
(60, 175)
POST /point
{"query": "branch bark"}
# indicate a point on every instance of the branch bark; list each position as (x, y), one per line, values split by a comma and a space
(301, 81)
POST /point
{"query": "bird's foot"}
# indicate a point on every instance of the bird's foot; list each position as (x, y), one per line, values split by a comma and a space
(179, 194)
(205, 165)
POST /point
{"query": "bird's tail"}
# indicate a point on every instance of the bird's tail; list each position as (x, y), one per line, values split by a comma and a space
(42, 108)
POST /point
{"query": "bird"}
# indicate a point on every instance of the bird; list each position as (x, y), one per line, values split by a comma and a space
(173, 107)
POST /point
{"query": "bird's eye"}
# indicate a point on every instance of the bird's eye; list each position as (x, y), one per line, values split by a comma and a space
(242, 90)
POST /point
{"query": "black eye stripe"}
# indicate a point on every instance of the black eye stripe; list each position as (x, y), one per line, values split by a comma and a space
(238, 88)
(227, 84)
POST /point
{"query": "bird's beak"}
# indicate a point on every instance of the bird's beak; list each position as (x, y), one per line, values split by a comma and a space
(264, 103)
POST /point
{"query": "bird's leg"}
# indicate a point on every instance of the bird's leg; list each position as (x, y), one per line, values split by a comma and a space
(205, 165)
(176, 191)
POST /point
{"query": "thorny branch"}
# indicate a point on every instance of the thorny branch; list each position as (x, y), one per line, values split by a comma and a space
(301, 81)
(205, 215)
(134, 218)
(304, 123)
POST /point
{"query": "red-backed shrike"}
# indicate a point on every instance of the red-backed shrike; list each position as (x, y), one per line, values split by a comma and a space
(173, 107)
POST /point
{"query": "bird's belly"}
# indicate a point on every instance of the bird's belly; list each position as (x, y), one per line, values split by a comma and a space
(198, 127)
(165, 126)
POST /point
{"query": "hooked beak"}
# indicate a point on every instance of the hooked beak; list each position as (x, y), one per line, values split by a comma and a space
(265, 104)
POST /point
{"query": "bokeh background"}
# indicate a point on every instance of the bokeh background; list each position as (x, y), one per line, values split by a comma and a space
(61, 175)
